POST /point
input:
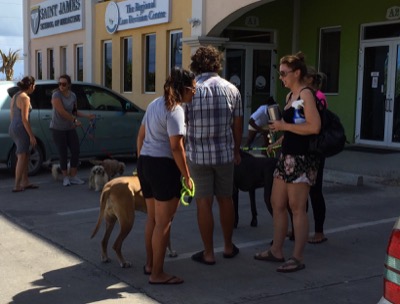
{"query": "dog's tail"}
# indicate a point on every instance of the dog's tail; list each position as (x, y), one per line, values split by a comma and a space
(105, 194)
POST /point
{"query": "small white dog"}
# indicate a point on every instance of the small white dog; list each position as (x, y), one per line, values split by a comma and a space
(97, 178)
(56, 172)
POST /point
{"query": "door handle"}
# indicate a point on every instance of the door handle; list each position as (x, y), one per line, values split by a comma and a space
(389, 105)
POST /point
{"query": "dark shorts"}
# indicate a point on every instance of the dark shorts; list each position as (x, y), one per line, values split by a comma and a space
(159, 177)
(297, 168)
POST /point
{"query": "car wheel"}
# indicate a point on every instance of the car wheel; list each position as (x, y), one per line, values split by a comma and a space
(35, 161)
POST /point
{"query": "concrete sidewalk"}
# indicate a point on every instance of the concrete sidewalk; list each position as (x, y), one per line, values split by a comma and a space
(357, 166)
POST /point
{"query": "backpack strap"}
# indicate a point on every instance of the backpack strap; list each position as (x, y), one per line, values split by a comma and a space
(320, 105)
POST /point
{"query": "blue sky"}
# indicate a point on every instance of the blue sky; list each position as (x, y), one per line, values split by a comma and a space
(11, 33)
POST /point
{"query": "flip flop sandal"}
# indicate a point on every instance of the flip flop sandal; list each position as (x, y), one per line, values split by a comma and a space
(17, 190)
(291, 265)
(171, 281)
(268, 258)
(234, 253)
(317, 240)
(31, 186)
(199, 257)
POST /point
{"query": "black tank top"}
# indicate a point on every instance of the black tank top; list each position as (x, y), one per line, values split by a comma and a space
(293, 143)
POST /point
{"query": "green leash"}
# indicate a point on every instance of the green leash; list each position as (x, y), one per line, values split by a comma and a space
(269, 154)
(186, 192)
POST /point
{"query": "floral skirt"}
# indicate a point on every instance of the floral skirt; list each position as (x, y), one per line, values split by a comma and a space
(297, 168)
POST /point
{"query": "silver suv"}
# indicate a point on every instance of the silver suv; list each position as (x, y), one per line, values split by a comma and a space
(113, 132)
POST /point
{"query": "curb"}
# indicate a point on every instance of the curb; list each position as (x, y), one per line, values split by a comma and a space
(353, 179)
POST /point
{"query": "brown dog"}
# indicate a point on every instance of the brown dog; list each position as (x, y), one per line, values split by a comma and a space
(119, 199)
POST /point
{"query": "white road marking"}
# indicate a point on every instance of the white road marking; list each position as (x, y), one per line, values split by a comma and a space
(187, 255)
(78, 211)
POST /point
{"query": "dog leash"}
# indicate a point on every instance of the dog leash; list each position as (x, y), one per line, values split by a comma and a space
(186, 192)
(269, 154)
(89, 130)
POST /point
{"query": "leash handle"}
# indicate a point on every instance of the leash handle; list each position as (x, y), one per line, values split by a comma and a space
(187, 192)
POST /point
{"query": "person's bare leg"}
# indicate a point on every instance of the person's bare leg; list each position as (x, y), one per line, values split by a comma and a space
(148, 234)
(279, 201)
(25, 178)
(298, 194)
(164, 212)
(227, 219)
(20, 169)
(205, 220)
(73, 171)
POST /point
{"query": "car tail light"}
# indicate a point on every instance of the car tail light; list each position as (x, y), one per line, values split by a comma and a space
(393, 248)
(392, 269)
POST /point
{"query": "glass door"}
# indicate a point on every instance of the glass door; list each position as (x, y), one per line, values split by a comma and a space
(378, 116)
(250, 69)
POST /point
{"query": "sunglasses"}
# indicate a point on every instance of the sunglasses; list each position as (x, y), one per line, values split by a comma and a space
(284, 73)
(63, 84)
(193, 89)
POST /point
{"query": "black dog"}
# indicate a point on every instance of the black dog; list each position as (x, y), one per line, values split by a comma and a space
(252, 173)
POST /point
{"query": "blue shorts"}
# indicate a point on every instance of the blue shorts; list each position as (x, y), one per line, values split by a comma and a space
(159, 177)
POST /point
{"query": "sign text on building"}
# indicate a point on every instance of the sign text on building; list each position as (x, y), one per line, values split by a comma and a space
(133, 14)
(56, 16)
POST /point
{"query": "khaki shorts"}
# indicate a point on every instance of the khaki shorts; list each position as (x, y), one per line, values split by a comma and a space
(212, 180)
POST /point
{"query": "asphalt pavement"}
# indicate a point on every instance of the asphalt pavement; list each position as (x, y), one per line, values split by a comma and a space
(46, 256)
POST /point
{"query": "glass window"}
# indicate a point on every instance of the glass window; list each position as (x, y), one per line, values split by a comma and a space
(39, 65)
(329, 58)
(127, 64)
(63, 60)
(50, 63)
(175, 49)
(150, 66)
(381, 31)
(107, 64)
(79, 63)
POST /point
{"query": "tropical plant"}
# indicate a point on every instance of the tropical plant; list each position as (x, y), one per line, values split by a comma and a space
(9, 61)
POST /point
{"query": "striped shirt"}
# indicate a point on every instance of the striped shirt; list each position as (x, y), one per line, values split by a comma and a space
(209, 120)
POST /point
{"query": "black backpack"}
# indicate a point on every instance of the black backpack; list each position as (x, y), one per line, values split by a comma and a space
(332, 138)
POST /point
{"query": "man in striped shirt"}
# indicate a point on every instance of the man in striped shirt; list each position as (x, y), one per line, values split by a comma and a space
(213, 137)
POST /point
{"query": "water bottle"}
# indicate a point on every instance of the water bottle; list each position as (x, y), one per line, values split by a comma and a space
(297, 117)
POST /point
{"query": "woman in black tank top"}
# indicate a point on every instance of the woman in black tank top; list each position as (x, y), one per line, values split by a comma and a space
(296, 169)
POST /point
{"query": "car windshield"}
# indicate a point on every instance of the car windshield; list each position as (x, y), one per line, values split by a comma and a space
(5, 99)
